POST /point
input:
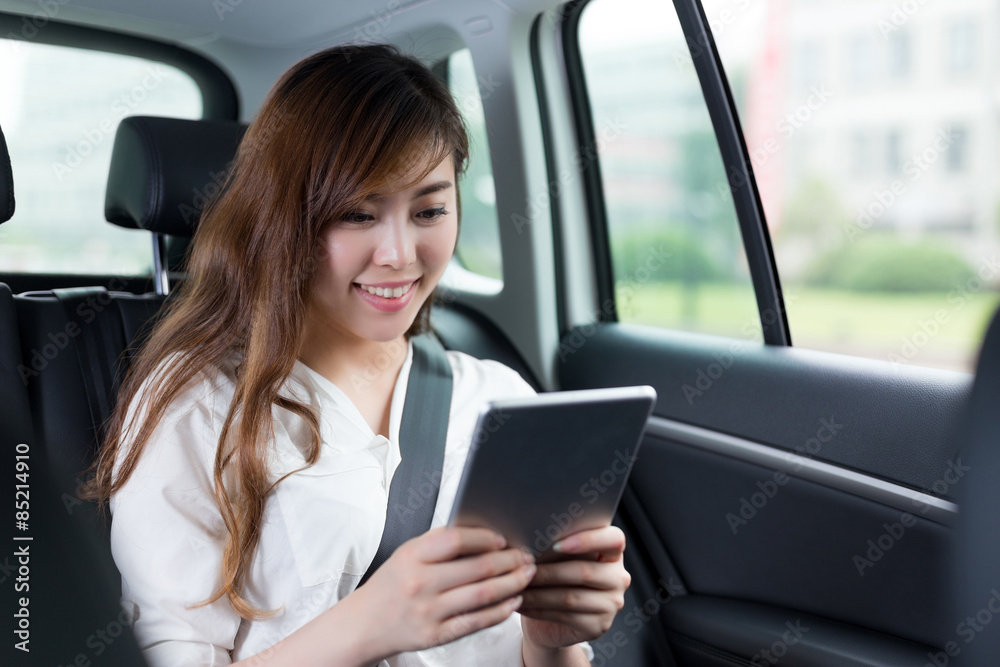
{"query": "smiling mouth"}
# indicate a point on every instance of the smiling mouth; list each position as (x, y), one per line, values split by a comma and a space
(387, 292)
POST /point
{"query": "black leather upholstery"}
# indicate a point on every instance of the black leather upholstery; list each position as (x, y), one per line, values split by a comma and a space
(904, 408)
(461, 328)
(6, 183)
(707, 631)
(977, 599)
(164, 171)
(58, 561)
(73, 360)
(15, 414)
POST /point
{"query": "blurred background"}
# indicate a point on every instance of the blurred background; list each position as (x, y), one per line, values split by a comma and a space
(873, 128)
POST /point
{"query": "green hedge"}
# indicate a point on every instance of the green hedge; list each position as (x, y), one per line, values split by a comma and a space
(880, 263)
(667, 255)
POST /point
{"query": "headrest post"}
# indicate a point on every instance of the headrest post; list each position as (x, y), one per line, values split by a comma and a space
(6, 183)
(161, 281)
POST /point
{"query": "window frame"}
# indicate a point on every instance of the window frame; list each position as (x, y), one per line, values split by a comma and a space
(218, 93)
(480, 282)
(220, 101)
(593, 183)
(722, 110)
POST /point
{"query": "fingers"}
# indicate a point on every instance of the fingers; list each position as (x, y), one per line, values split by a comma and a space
(478, 568)
(473, 621)
(582, 574)
(583, 613)
(577, 600)
(602, 544)
(446, 543)
(482, 594)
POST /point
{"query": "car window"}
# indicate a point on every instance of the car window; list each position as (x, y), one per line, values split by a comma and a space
(872, 127)
(59, 111)
(479, 240)
(676, 250)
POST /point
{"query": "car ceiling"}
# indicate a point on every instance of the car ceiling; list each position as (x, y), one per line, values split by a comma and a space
(254, 41)
(260, 23)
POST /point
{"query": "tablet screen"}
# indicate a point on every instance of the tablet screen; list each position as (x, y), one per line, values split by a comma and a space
(542, 468)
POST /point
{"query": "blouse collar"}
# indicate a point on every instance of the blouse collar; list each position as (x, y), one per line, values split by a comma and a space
(387, 450)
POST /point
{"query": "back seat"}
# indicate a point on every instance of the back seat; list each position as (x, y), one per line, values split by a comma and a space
(60, 586)
(77, 342)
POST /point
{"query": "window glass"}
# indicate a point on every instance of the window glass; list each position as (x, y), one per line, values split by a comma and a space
(479, 240)
(960, 44)
(676, 250)
(899, 54)
(861, 48)
(880, 192)
(59, 111)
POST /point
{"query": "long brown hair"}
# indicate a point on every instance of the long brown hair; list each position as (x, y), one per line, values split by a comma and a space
(335, 129)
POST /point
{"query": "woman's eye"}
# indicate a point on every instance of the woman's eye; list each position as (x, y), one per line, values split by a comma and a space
(432, 213)
(358, 217)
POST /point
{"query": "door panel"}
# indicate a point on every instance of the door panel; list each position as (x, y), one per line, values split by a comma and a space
(797, 484)
(899, 423)
(798, 550)
(709, 631)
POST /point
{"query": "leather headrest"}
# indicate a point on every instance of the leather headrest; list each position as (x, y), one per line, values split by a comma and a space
(165, 170)
(6, 183)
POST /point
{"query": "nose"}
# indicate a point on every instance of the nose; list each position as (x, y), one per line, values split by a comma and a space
(397, 243)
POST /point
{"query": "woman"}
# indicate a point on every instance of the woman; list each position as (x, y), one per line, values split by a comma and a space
(247, 465)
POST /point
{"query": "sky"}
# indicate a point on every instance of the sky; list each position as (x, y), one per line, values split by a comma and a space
(736, 24)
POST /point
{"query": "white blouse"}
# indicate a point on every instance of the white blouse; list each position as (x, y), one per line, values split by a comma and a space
(321, 528)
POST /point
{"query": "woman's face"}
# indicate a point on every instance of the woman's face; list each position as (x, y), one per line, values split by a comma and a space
(396, 245)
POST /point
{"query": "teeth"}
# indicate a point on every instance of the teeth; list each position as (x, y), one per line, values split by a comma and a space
(386, 292)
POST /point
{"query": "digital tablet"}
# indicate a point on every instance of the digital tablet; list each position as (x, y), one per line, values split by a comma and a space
(542, 468)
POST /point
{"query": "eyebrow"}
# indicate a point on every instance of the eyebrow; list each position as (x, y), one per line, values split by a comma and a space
(422, 192)
(432, 188)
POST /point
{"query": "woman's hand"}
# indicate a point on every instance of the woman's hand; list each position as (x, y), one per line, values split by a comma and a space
(576, 599)
(438, 587)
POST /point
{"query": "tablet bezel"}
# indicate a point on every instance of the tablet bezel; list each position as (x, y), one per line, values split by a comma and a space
(569, 514)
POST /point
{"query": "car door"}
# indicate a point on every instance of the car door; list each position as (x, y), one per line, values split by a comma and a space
(787, 504)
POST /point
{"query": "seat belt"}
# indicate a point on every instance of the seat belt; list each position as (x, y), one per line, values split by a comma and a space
(422, 432)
